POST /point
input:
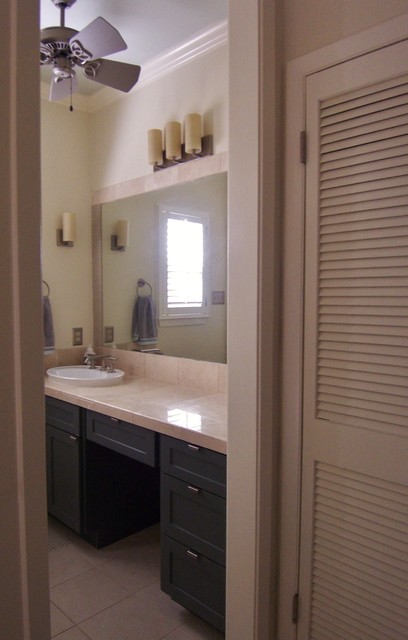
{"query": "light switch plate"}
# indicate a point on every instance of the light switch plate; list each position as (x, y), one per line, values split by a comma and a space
(109, 334)
(77, 336)
(218, 297)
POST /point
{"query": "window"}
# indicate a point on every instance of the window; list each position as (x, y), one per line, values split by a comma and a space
(182, 265)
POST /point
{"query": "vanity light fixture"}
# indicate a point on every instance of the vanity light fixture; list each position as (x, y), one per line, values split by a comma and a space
(120, 241)
(175, 152)
(67, 234)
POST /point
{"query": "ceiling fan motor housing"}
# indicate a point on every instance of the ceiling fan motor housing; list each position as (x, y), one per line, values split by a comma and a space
(55, 42)
(64, 4)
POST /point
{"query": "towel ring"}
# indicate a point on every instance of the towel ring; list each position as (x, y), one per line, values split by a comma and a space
(48, 287)
(141, 283)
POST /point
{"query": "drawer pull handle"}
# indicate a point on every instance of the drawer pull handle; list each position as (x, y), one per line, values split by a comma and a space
(192, 555)
(193, 489)
(193, 447)
(73, 437)
(114, 419)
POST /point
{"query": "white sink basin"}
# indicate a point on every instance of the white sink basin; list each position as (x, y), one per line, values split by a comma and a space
(84, 376)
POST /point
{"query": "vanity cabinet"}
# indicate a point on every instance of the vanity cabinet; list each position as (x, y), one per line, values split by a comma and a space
(106, 481)
(64, 462)
(102, 474)
(193, 528)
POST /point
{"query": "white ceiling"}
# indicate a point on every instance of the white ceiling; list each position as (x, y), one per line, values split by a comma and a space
(149, 27)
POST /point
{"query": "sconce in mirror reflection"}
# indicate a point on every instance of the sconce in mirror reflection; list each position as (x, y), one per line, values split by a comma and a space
(120, 241)
(67, 233)
(174, 151)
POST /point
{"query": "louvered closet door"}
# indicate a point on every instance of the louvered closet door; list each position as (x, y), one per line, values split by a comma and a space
(354, 524)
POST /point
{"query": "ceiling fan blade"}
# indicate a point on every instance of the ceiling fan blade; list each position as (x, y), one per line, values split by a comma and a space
(118, 75)
(98, 39)
(61, 88)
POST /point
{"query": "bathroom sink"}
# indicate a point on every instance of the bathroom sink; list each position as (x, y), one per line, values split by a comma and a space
(84, 376)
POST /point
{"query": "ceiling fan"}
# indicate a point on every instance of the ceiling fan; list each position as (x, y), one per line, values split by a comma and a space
(66, 48)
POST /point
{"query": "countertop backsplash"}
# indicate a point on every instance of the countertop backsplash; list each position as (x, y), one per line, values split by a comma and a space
(210, 376)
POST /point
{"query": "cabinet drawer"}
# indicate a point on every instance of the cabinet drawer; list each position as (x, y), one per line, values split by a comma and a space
(202, 467)
(194, 517)
(193, 581)
(63, 415)
(123, 437)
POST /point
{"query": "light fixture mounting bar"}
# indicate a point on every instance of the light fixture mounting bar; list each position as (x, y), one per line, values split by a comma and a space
(61, 242)
(206, 150)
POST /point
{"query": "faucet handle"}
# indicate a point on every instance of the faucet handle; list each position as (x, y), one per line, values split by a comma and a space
(109, 367)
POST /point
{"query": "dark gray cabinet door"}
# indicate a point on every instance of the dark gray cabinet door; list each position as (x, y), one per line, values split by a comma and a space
(64, 476)
(194, 581)
(63, 415)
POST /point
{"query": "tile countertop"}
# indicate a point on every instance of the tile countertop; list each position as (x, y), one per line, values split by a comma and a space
(182, 411)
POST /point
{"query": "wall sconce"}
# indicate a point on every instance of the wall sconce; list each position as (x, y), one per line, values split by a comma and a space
(66, 235)
(121, 240)
(194, 146)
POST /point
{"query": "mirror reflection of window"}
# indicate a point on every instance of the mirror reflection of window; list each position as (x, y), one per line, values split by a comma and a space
(199, 338)
(183, 265)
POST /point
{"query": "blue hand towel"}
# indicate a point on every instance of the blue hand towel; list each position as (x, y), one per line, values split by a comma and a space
(49, 342)
(144, 323)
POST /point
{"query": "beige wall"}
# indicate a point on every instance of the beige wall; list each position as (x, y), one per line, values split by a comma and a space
(308, 25)
(65, 178)
(119, 131)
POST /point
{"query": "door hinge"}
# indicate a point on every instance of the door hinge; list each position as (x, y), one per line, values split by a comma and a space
(295, 608)
(303, 147)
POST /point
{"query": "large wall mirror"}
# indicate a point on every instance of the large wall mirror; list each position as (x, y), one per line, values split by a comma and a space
(120, 271)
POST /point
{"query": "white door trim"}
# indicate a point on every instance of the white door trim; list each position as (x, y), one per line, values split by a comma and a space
(377, 37)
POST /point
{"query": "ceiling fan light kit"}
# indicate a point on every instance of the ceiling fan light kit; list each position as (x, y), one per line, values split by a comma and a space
(67, 49)
(173, 151)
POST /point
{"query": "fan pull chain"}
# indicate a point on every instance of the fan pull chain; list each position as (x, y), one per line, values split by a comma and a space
(71, 108)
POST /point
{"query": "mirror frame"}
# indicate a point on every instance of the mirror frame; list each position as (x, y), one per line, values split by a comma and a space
(173, 176)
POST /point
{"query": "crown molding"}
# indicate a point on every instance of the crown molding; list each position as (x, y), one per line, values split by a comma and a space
(203, 42)
(200, 44)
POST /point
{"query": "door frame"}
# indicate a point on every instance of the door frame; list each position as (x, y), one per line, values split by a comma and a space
(385, 34)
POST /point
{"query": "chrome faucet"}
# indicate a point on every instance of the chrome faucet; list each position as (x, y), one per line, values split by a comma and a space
(91, 360)
(107, 362)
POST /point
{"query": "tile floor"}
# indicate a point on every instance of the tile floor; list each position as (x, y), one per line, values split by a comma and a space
(114, 593)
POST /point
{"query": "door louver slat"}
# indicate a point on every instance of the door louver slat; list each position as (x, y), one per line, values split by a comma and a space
(360, 556)
(384, 90)
(383, 158)
(360, 256)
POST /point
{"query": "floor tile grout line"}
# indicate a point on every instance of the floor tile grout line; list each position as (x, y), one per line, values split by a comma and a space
(77, 575)
(113, 604)
(101, 564)
(67, 616)
(59, 635)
